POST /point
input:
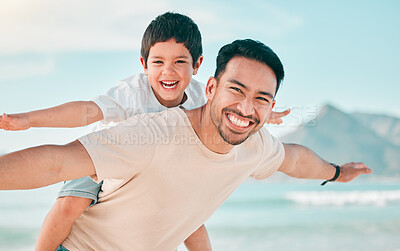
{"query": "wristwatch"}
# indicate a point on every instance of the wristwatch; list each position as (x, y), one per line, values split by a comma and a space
(337, 173)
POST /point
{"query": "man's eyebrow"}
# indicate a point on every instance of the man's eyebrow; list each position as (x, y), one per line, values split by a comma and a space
(267, 94)
(234, 81)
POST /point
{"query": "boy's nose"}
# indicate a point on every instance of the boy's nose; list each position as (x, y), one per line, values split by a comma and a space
(246, 107)
(168, 68)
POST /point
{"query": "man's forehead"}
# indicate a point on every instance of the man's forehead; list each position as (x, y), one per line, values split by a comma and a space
(250, 73)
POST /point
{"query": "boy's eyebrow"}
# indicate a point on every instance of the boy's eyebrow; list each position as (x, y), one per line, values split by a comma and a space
(182, 56)
(234, 81)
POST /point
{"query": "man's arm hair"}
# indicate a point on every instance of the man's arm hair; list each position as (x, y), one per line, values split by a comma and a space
(44, 165)
(301, 162)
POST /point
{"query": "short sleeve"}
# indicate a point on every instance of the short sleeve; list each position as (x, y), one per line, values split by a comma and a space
(122, 151)
(122, 100)
(273, 155)
(196, 95)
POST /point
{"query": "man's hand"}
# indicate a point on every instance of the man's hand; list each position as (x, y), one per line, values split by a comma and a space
(352, 170)
(276, 117)
(14, 122)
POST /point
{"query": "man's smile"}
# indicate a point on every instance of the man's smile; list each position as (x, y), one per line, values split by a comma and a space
(239, 123)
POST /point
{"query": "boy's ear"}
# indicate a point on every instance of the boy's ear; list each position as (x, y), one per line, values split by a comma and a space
(270, 110)
(197, 66)
(144, 65)
(211, 88)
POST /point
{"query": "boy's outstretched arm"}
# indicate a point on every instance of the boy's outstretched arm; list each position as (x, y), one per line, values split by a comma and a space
(276, 117)
(198, 240)
(44, 165)
(301, 162)
(72, 114)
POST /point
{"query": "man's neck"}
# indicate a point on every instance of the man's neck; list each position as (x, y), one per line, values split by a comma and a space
(206, 130)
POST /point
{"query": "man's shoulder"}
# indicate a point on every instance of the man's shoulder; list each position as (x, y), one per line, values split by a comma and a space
(260, 140)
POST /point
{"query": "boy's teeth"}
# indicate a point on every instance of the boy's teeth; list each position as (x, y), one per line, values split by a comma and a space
(237, 121)
(169, 84)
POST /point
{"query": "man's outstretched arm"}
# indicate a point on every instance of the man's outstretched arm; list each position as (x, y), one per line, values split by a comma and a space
(44, 165)
(301, 162)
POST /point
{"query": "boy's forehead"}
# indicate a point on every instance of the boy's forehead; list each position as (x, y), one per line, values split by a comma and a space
(169, 48)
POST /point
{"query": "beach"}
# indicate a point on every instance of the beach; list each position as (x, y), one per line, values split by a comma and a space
(289, 215)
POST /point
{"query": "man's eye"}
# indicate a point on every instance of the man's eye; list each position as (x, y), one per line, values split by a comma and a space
(263, 99)
(236, 89)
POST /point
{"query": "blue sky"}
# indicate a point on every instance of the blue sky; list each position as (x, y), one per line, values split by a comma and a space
(345, 53)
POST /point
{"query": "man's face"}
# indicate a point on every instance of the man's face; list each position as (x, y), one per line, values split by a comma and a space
(242, 100)
(170, 70)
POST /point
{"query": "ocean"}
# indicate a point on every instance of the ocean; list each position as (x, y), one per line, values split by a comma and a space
(289, 215)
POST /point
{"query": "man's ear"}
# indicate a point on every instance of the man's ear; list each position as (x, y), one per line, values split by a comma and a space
(197, 66)
(211, 88)
(144, 66)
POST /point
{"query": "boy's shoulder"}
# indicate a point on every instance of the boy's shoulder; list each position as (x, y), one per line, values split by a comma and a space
(139, 80)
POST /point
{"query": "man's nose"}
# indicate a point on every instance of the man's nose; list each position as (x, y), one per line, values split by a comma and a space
(246, 107)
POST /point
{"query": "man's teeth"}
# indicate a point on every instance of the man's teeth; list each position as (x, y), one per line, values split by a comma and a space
(237, 121)
(169, 84)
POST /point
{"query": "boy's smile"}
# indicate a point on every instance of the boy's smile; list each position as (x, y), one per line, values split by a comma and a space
(170, 70)
(169, 84)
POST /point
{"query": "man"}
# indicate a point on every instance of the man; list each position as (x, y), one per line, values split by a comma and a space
(179, 166)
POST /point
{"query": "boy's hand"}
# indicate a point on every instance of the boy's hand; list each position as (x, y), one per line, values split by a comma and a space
(14, 122)
(276, 117)
(352, 170)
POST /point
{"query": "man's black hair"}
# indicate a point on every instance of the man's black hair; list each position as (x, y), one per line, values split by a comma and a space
(251, 49)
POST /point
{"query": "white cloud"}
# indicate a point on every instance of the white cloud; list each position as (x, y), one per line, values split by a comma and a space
(42, 25)
(51, 26)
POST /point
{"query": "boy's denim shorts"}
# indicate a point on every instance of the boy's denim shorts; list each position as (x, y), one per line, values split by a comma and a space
(61, 248)
(83, 187)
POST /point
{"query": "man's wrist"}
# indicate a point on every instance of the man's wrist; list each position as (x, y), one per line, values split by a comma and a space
(337, 173)
(29, 118)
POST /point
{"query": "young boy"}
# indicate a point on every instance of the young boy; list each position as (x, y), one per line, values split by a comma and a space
(171, 53)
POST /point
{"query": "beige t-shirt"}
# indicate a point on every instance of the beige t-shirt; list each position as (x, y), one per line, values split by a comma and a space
(174, 183)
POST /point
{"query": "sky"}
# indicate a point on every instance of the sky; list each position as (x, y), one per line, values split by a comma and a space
(345, 53)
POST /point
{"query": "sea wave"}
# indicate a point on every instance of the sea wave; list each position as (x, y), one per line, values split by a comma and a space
(342, 198)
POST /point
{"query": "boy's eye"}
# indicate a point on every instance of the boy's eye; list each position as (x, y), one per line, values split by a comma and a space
(181, 61)
(157, 62)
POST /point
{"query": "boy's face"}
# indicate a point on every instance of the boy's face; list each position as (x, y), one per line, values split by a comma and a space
(170, 70)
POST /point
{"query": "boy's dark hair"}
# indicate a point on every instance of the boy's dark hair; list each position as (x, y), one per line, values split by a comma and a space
(173, 25)
(251, 49)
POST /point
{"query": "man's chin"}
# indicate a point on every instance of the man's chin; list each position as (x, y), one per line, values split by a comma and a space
(232, 140)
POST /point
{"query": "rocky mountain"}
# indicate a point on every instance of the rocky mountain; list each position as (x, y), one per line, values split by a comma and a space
(385, 126)
(340, 137)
